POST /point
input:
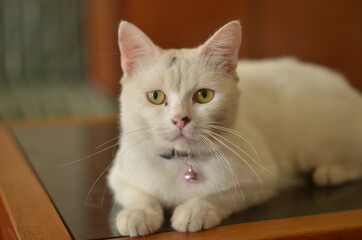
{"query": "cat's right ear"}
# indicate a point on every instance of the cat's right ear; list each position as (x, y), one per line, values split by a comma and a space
(136, 48)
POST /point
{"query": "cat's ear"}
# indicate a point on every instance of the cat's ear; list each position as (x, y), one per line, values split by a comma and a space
(136, 48)
(224, 45)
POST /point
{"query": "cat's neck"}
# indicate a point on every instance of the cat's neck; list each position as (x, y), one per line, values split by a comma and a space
(174, 153)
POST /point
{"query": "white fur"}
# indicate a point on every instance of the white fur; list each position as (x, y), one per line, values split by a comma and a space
(284, 117)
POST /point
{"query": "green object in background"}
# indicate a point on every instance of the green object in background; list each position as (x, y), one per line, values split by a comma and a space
(53, 100)
(42, 71)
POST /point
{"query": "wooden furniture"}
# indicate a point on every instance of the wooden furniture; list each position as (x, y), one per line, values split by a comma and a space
(326, 32)
(27, 212)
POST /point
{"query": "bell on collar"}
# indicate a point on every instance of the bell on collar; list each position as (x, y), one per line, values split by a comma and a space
(190, 175)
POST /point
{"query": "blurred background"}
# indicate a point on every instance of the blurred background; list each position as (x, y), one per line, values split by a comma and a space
(60, 58)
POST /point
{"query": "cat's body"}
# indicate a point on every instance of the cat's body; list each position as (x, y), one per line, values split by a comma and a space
(307, 115)
(265, 123)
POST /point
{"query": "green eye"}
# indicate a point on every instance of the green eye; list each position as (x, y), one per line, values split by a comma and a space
(204, 95)
(156, 97)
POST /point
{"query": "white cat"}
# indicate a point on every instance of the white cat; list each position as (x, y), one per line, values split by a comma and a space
(208, 135)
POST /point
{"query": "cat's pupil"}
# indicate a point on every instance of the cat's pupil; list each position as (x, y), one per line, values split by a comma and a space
(204, 93)
(155, 95)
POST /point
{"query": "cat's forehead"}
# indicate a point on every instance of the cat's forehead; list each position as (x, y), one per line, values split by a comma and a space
(182, 70)
(178, 60)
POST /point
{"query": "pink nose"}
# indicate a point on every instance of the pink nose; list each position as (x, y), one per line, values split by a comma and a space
(181, 122)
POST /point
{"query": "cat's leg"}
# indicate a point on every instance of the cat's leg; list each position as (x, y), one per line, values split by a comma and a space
(197, 214)
(204, 212)
(334, 174)
(142, 214)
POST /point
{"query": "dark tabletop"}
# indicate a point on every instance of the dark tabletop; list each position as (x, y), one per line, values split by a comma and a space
(72, 163)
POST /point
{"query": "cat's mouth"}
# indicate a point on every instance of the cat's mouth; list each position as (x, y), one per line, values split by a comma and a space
(180, 137)
(181, 140)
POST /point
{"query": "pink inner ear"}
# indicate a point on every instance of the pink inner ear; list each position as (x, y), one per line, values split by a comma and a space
(136, 48)
(126, 64)
(224, 45)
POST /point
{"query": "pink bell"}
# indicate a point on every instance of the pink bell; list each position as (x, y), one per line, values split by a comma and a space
(190, 176)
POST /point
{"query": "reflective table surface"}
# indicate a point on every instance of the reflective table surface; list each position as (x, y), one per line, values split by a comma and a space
(72, 163)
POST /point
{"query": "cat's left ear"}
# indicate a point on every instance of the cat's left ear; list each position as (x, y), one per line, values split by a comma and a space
(136, 48)
(224, 45)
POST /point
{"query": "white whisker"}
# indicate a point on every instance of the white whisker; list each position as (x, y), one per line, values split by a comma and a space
(103, 172)
(232, 131)
(236, 154)
(113, 146)
(106, 142)
(241, 150)
(213, 152)
(96, 181)
(134, 164)
(227, 164)
(84, 158)
(258, 162)
(103, 195)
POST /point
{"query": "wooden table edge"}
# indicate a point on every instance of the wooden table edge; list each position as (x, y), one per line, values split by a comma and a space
(345, 225)
(29, 209)
(46, 224)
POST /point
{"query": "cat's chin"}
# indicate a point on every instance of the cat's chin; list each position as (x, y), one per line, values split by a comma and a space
(181, 140)
(182, 143)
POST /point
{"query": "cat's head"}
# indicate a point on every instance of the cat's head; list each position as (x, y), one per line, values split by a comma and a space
(174, 96)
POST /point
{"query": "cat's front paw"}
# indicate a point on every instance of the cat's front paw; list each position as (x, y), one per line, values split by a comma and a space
(139, 221)
(195, 216)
